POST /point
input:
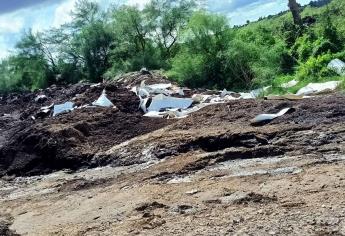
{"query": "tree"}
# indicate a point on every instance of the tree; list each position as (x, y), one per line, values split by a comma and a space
(201, 61)
(30, 63)
(168, 18)
(295, 10)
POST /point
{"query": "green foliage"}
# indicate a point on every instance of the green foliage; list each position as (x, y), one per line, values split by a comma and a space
(315, 68)
(194, 47)
(205, 42)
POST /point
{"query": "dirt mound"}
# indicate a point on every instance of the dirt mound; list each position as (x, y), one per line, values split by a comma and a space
(135, 78)
(94, 136)
(69, 140)
(223, 132)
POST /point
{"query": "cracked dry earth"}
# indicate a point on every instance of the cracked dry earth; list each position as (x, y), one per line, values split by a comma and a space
(209, 174)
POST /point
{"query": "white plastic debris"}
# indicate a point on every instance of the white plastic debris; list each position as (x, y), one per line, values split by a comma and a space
(103, 101)
(199, 98)
(289, 84)
(247, 96)
(63, 108)
(154, 114)
(95, 85)
(142, 105)
(158, 86)
(269, 117)
(142, 92)
(225, 93)
(257, 92)
(169, 114)
(41, 98)
(338, 66)
(146, 90)
(315, 88)
(162, 102)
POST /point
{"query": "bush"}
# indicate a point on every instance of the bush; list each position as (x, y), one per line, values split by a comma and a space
(315, 68)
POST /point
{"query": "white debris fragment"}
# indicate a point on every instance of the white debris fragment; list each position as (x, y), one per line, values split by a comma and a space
(225, 93)
(257, 92)
(158, 87)
(338, 66)
(169, 114)
(142, 105)
(269, 117)
(95, 85)
(247, 96)
(41, 98)
(161, 102)
(289, 84)
(315, 88)
(63, 108)
(199, 98)
(103, 101)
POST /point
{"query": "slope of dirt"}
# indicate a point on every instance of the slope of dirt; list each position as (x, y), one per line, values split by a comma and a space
(70, 140)
(212, 173)
(222, 132)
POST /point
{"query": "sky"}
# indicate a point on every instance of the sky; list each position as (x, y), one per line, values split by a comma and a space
(18, 15)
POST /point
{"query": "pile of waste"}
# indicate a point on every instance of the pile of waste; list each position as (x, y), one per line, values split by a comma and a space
(66, 126)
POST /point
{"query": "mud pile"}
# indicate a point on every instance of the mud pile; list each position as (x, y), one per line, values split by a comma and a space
(70, 140)
(95, 136)
(223, 132)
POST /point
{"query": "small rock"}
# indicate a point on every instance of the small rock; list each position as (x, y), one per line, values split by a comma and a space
(193, 192)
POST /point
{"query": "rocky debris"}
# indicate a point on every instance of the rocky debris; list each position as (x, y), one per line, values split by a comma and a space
(246, 198)
(147, 207)
(4, 227)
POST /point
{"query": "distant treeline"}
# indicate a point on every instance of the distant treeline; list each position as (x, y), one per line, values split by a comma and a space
(195, 47)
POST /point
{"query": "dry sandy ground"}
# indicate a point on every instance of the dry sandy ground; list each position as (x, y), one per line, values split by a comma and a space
(302, 195)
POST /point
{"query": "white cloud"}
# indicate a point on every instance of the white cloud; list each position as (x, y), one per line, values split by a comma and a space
(11, 23)
(62, 13)
(257, 9)
(139, 3)
(57, 13)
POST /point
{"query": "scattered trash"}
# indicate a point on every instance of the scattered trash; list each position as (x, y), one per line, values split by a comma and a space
(247, 96)
(268, 117)
(143, 104)
(225, 93)
(145, 71)
(289, 84)
(284, 97)
(193, 192)
(41, 98)
(43, 112)
(95, 85)
(256, 92)
(103, 101)
(162, 102)
(316, 88)
(199, 98)
(338, 66)
(63, 108)
(169, 114)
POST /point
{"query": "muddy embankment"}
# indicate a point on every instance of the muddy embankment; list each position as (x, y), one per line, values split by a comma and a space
(91, 137)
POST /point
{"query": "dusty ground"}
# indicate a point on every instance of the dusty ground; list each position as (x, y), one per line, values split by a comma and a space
(209, 174)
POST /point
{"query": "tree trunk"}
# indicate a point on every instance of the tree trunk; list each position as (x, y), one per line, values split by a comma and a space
(295, 10)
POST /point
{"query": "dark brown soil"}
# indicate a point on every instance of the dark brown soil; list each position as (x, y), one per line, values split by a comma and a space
(87, 137)
(70, 140)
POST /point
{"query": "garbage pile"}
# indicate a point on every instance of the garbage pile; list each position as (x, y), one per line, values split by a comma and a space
(159, 98)
(165, 100)
(338, 66)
